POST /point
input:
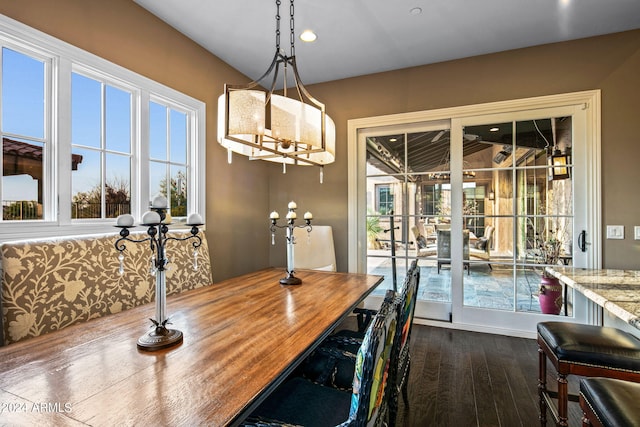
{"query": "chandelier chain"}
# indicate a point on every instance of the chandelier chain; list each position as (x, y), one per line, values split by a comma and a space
(292, 25)
(277, 25)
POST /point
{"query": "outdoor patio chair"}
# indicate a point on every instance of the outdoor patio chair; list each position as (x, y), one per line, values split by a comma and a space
(482, 247)
(424, 247)
(444, 248)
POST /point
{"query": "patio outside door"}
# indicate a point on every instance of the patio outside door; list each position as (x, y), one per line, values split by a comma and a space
(408, 194)
(484, 203)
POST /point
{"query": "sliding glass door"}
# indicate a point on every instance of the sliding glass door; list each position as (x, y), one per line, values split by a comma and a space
(484, 203)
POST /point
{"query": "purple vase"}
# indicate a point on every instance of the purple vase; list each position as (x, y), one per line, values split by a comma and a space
(550, 295)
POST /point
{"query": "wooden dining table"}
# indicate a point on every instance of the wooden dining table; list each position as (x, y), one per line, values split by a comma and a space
(242, 338)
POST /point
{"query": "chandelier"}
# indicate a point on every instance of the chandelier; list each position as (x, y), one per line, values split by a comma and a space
(270, 125)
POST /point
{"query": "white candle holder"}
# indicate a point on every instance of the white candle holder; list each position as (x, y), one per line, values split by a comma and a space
(157, 222)
(291, 217)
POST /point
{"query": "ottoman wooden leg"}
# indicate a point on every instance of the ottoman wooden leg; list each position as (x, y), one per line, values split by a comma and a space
(542, 385)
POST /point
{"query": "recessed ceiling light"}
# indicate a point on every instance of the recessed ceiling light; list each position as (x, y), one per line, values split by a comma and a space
(393, 139)
(494, 129)
(308, 36)
(415, 11)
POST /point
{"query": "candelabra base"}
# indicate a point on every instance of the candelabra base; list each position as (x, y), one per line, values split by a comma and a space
(290, 280)
(159, 338)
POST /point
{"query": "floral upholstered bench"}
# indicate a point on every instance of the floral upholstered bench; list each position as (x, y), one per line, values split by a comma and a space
(50, 284)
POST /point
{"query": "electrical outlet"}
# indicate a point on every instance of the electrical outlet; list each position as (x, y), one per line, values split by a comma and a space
(636, 232)
(615, 232)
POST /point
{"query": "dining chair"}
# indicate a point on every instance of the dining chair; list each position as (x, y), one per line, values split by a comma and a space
(314, 250)
(299, 401)
(331, 364)
(407, 307)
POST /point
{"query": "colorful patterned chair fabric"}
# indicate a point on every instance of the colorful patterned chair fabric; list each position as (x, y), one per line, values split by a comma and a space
(54, 283)
(302, 402)
(332, 364)
(407, 307)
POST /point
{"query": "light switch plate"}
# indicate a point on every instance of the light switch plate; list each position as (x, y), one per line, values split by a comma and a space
(615, 231)
(636, 232)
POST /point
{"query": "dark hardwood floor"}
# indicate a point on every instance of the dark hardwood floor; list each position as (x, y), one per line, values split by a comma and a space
(462, 379)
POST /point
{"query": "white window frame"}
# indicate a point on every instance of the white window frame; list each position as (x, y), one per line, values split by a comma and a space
(63, 59)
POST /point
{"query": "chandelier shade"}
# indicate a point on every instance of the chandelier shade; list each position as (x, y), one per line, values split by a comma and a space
(266, 125)
(294, 125)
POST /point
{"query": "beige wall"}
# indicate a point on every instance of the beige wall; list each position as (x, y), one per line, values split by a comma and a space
(240, 196)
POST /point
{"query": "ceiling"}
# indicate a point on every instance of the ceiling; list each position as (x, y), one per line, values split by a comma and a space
(358, 37)
(428, 151)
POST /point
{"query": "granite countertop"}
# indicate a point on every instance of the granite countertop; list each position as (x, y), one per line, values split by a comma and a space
(617, 291)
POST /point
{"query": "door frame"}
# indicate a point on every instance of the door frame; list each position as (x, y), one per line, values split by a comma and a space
(589, 161)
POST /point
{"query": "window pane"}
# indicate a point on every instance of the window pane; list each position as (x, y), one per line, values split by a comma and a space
(157, 131)
(157, 179)
(118, 120)
(86, 188)
(22, 175)
(178, 191)
(86, 107)
(23, 95)
(117, 186)
(428, 151)
(178, 137)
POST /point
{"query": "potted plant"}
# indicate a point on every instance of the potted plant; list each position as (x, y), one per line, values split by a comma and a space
(547, 252)
(373, 229)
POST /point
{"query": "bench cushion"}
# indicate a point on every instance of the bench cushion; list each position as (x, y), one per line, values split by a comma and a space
(51, 284)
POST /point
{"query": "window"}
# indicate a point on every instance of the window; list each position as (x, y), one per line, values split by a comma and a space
(168, 156)
(101, 123)
(23, 134)
(384, 199)
(84, 140)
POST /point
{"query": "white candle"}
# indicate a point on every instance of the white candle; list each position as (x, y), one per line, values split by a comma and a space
(292, 205)
(308, 215)
(195, 219)
(159, 202)
(274, 215)
(124, 220)
(291, 215)
(151, 218)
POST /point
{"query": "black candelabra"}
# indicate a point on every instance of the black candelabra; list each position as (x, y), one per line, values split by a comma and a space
(157, 220)
(290, 279)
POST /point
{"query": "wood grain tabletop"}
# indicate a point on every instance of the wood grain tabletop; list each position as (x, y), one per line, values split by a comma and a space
(242, 337)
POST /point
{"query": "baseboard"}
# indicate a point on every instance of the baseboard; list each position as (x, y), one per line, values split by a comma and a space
(476, 328)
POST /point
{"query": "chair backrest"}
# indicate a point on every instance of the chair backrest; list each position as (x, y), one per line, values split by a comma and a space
(421, 241)
(369, 401)
(407, 304)
(488, 235)
(444, 244)
(314, 250)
